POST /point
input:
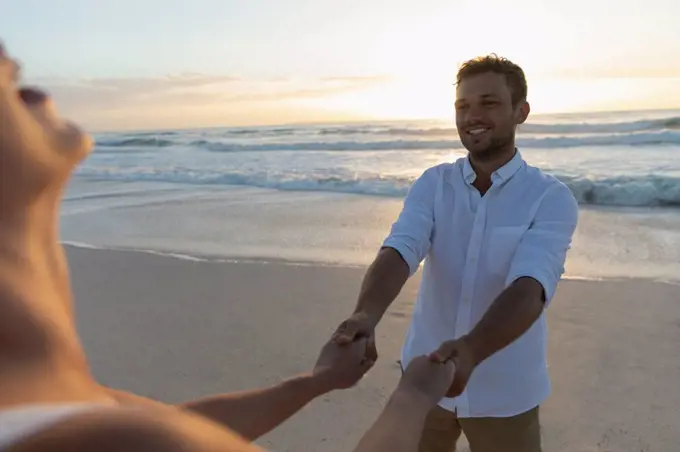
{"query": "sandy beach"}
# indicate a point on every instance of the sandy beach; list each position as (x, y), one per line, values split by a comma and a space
(175, 329)
(249, 159)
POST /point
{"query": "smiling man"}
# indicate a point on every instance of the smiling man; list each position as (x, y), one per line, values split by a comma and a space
(495, 232)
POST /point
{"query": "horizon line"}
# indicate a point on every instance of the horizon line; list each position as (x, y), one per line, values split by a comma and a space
(365, 121)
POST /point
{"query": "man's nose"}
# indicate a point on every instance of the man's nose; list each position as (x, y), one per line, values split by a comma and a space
(475, 113)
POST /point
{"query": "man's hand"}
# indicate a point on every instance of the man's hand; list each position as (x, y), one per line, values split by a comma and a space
(358, 326)
(341, 367)
(463, 357)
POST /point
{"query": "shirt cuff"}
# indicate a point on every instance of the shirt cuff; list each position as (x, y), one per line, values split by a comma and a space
(406, 253)
(543, 278)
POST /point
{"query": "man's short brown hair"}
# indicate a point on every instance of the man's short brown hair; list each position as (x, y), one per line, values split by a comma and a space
(514, 75)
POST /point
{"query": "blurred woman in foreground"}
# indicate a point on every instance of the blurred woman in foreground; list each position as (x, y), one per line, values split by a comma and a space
(50, 401)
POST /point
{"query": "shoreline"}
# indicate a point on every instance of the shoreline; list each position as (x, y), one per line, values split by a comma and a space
(325, 228)
(235, 259)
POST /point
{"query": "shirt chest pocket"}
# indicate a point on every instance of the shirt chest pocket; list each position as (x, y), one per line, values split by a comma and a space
(501, 246)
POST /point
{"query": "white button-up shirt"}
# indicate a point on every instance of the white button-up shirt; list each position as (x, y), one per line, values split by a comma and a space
(475, 246)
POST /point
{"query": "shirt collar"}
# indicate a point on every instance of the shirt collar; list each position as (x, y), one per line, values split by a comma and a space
(502, 174)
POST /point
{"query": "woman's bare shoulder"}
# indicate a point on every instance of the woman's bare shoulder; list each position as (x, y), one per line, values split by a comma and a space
(123, 429)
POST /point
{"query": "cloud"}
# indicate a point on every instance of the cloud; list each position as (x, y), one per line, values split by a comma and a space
(369, 79)
(308, 89)
(107, 92)
(651, 70)
(111, 102)
(116, 92)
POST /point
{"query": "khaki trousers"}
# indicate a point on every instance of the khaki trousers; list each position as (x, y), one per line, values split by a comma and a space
(519, 433)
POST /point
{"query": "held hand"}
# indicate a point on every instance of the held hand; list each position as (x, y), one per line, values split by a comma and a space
(341, 367)
(461, 354)
(427, 379)
(38, 150)
(358, 326)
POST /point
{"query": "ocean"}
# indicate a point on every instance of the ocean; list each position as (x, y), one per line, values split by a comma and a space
(327, 193)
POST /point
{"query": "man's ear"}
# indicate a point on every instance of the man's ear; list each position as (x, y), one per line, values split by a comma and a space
(522, 112)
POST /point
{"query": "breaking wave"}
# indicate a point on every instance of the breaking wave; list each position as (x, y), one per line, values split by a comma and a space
(613, 191)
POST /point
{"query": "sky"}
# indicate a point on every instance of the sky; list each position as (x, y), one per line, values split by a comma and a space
(140, 64)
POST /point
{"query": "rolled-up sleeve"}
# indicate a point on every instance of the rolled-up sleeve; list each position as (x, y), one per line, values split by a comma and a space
(542, 251)
(411, 233)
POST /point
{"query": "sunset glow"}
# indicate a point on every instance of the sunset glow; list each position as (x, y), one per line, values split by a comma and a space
(215, 62)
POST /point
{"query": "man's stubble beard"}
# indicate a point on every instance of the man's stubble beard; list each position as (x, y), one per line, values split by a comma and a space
(496, 148)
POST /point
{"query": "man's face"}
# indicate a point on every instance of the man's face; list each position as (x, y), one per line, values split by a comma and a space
(485, 117)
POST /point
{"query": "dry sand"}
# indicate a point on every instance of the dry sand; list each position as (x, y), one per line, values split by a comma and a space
(175, 329)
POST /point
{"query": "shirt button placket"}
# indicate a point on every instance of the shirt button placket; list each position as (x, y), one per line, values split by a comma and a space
(464, 317)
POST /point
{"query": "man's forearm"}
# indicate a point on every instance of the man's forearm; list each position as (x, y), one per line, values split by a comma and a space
(398, 428)
(253, 413)
(383, 281)
(510, 316)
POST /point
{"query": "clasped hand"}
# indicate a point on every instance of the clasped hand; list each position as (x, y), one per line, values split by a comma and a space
(341, 366)
(455, 358)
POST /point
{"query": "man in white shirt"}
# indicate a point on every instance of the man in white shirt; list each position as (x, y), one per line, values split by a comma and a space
(495, 232)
